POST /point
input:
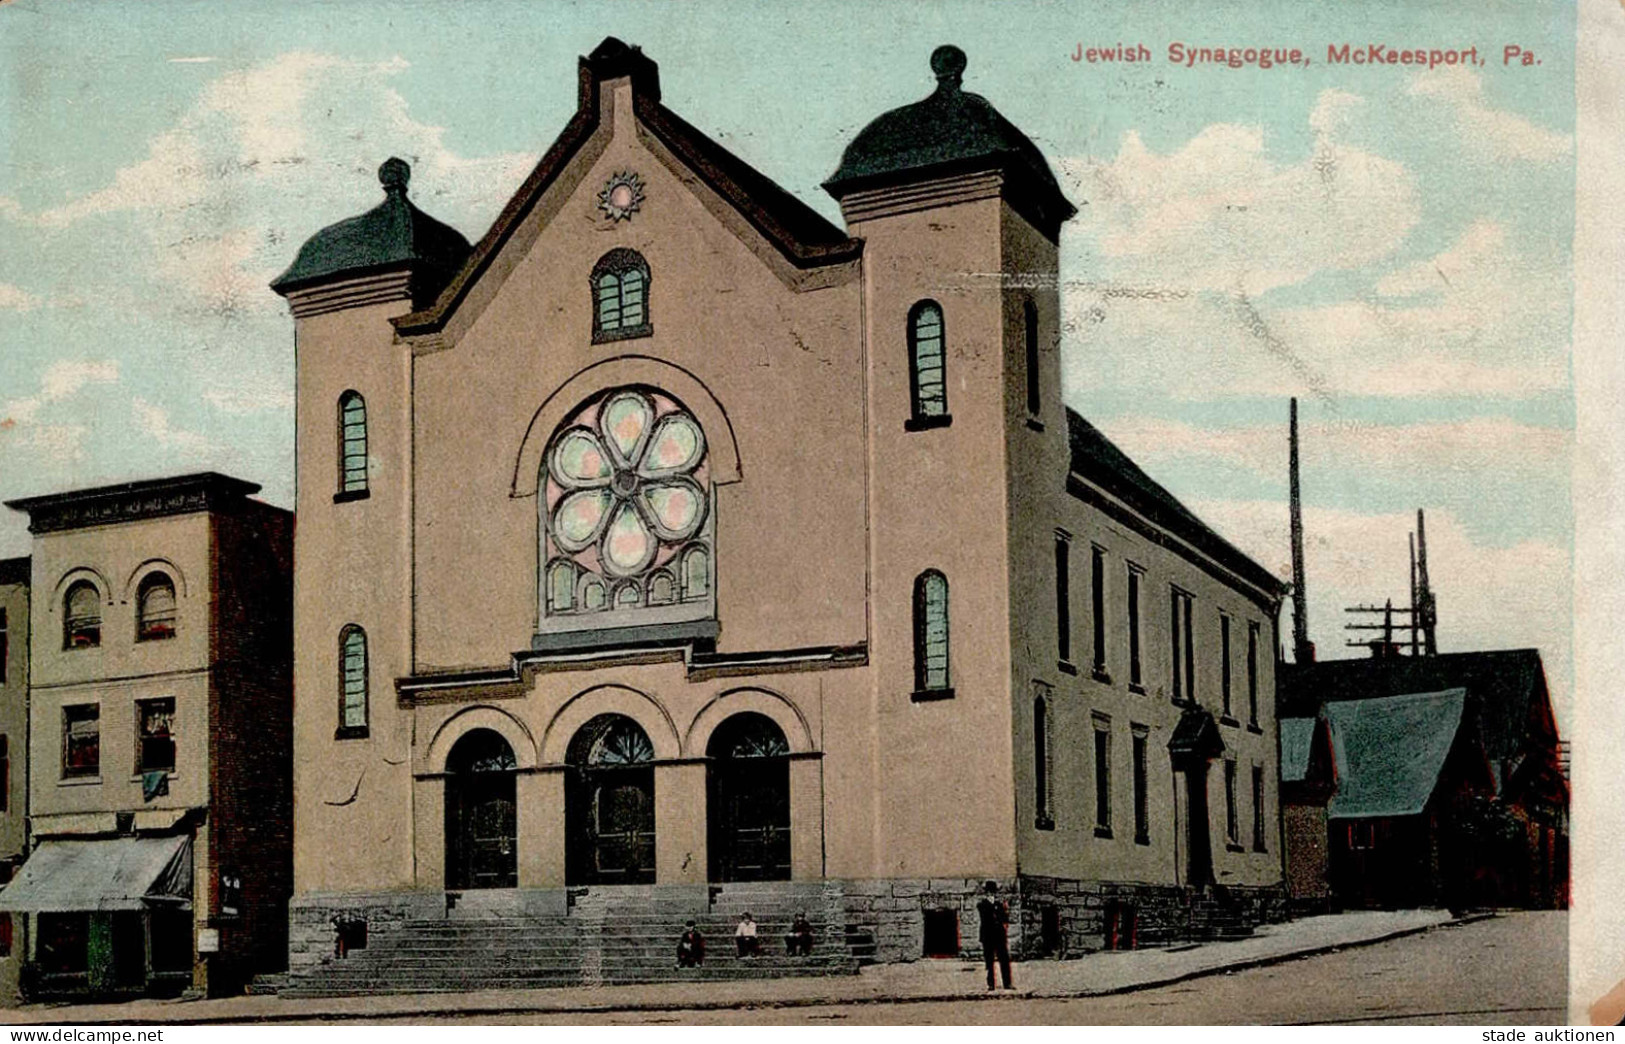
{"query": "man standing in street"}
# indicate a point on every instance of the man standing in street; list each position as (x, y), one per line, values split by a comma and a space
(995, 917)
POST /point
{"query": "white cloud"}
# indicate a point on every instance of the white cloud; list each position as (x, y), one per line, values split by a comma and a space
(243, 399)
(154, 422)
(1488, 597)
(1502, 134)
(266, 155)
(60, 380)
(16, 299)
(1219, 214)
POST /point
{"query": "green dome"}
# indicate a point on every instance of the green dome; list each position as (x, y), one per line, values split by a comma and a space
(394, 234)
(952, 131)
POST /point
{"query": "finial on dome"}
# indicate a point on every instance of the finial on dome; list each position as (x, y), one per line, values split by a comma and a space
(394, 174)
(948, 62)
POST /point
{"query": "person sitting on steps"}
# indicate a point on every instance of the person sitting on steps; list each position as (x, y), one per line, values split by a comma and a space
(745, 937)
(800, 940)
(690, 948)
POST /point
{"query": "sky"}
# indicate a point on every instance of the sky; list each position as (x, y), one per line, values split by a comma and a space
(1390, 244)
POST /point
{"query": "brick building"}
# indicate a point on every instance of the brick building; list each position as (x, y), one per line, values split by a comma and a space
(159, 716)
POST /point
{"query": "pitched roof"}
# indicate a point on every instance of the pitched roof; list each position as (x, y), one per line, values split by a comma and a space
(1504, 686)
(393, 235)
(1297, 736)
(1390, 751)
(1097, 459)
(949, 132)
(800, 233)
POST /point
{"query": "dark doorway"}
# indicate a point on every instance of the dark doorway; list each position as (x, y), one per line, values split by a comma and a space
(941, 932)
(1199, 864)
(482, 848)
(749, 795)
(610, 804)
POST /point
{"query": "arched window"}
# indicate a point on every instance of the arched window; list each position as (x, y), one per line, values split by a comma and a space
(626, 520)
(1029, 322)
(926, 365)
(931, 678)
(82, 616)
(352, 682)
(155, 608)
(620, 296)
(352, 444)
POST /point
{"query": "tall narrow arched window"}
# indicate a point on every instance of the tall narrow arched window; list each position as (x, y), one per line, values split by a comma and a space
(931, 679)
(1029, 323)
(352, 682)
(82, 616)
(155, 608)
(620, 296)
(352, 445)
(927, 350)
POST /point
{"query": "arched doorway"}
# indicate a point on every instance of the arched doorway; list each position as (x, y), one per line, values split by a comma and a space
(610, 805)
(749, 795)
(482, 848)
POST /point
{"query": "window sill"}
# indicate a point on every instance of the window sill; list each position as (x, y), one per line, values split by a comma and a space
(169, 774)
(80, 781)
(350, 732)
(1035, 424)
(1254, 728)
(941, 420)
(1043, 823)
(1099, 674)
(928, 695)
(1260, 850)
(1225, 719)
(625, 333)
(1231, 846)
(1066, 667)
(1142, 839)
(1136, 687)
(140, 638)
(1103, 832)
(345, 496)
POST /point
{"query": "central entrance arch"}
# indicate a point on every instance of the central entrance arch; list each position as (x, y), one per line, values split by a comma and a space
(749, 797)
(482, 845)
(610, 804)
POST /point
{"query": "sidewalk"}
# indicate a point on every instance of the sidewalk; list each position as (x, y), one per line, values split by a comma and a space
(1094, 975)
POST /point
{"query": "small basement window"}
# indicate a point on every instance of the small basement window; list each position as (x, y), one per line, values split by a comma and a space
(942, 932)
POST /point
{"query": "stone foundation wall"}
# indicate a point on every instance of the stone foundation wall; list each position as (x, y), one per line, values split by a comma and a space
(892, 912)
(313, 933)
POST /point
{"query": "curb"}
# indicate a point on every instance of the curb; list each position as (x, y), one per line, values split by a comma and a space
(477, 1011)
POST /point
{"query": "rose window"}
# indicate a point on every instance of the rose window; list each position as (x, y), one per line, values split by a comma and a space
(627, 508)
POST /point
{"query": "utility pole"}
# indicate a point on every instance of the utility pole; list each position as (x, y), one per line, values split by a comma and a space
(1303, 651)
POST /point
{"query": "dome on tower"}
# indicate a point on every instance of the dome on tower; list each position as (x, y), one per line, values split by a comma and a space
(950, 132)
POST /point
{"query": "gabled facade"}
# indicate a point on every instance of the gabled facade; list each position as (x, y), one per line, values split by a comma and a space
(682, 538)
(159, 714)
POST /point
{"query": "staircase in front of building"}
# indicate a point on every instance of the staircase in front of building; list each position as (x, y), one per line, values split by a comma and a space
(610, 936)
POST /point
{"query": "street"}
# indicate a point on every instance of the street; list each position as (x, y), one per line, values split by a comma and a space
(1509, 970)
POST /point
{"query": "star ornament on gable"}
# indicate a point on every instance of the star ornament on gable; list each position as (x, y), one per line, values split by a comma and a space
(622, 196)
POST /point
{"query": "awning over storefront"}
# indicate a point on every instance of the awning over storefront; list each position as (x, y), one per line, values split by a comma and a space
(124, 873)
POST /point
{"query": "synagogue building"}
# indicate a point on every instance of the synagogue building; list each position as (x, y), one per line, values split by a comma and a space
(671, 542)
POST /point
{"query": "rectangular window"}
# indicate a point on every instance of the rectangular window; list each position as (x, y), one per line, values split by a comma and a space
(1063, 597)
(1224, 663)
(1231, 827)
(1135, 681)
(1252, 672)
(1103, 779)
(82, 740)
(1190, 653)
(5, 773)
(1043, 756)
(5, 935)
(1258, 808)
(155, 736)
(3, 646)
(1175, 652)
(1142, 814)
(1097, 587)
